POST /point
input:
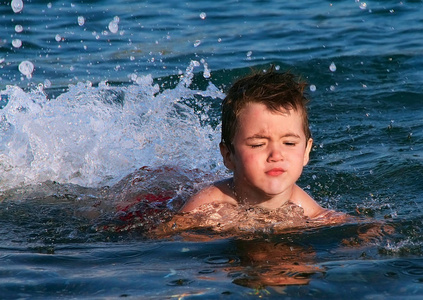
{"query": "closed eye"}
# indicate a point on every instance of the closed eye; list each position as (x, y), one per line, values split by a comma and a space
(256, 145)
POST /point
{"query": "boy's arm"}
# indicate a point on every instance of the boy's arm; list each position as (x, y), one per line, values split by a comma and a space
(311, 208)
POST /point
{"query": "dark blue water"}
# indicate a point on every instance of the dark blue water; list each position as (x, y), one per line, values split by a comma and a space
(91, 91)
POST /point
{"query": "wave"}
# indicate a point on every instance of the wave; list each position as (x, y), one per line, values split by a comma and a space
(94, 135)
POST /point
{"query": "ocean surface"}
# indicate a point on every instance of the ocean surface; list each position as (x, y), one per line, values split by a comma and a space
(105, 100)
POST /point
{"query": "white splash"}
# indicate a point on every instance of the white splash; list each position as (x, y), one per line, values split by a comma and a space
(94, 136)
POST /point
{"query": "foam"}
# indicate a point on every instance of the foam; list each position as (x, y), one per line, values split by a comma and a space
(95, 135)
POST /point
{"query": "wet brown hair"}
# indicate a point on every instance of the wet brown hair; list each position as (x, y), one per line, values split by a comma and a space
(279, 92)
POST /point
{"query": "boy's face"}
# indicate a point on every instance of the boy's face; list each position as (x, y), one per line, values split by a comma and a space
(270, 151)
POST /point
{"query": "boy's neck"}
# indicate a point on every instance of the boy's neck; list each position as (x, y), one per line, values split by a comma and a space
(256, 198)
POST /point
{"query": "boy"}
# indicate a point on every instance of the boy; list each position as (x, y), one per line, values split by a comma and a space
(266, 142)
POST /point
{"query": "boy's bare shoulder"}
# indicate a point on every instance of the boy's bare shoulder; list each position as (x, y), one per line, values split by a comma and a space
(220, 192)
(302, 199)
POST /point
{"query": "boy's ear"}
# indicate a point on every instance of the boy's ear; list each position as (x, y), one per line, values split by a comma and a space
(307, 151)
(226, 155)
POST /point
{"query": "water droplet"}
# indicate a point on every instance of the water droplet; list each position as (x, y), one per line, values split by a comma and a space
(17, 5)
(114, 25)
(203, 15)
(18, 28)
(332, 88)
(58, 38)
(81, 20)
(206, 73)
(197, 43)
(26, 68)
(313, 88)
(47, 83)
(332, 67)
(363, 5)
(49, 5)
(17, 43)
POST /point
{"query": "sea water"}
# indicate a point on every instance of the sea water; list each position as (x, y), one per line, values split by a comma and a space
(98, 95)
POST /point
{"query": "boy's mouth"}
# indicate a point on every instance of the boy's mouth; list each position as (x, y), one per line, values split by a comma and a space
(275, 172)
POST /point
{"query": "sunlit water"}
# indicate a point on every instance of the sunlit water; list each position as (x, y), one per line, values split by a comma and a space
(109, 120)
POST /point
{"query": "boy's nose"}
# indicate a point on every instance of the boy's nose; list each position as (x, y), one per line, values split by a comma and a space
(275, 154)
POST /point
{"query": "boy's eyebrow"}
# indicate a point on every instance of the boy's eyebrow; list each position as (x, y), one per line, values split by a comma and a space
(263, 136)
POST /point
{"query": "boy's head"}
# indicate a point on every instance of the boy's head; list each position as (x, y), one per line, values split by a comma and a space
(279, 92)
